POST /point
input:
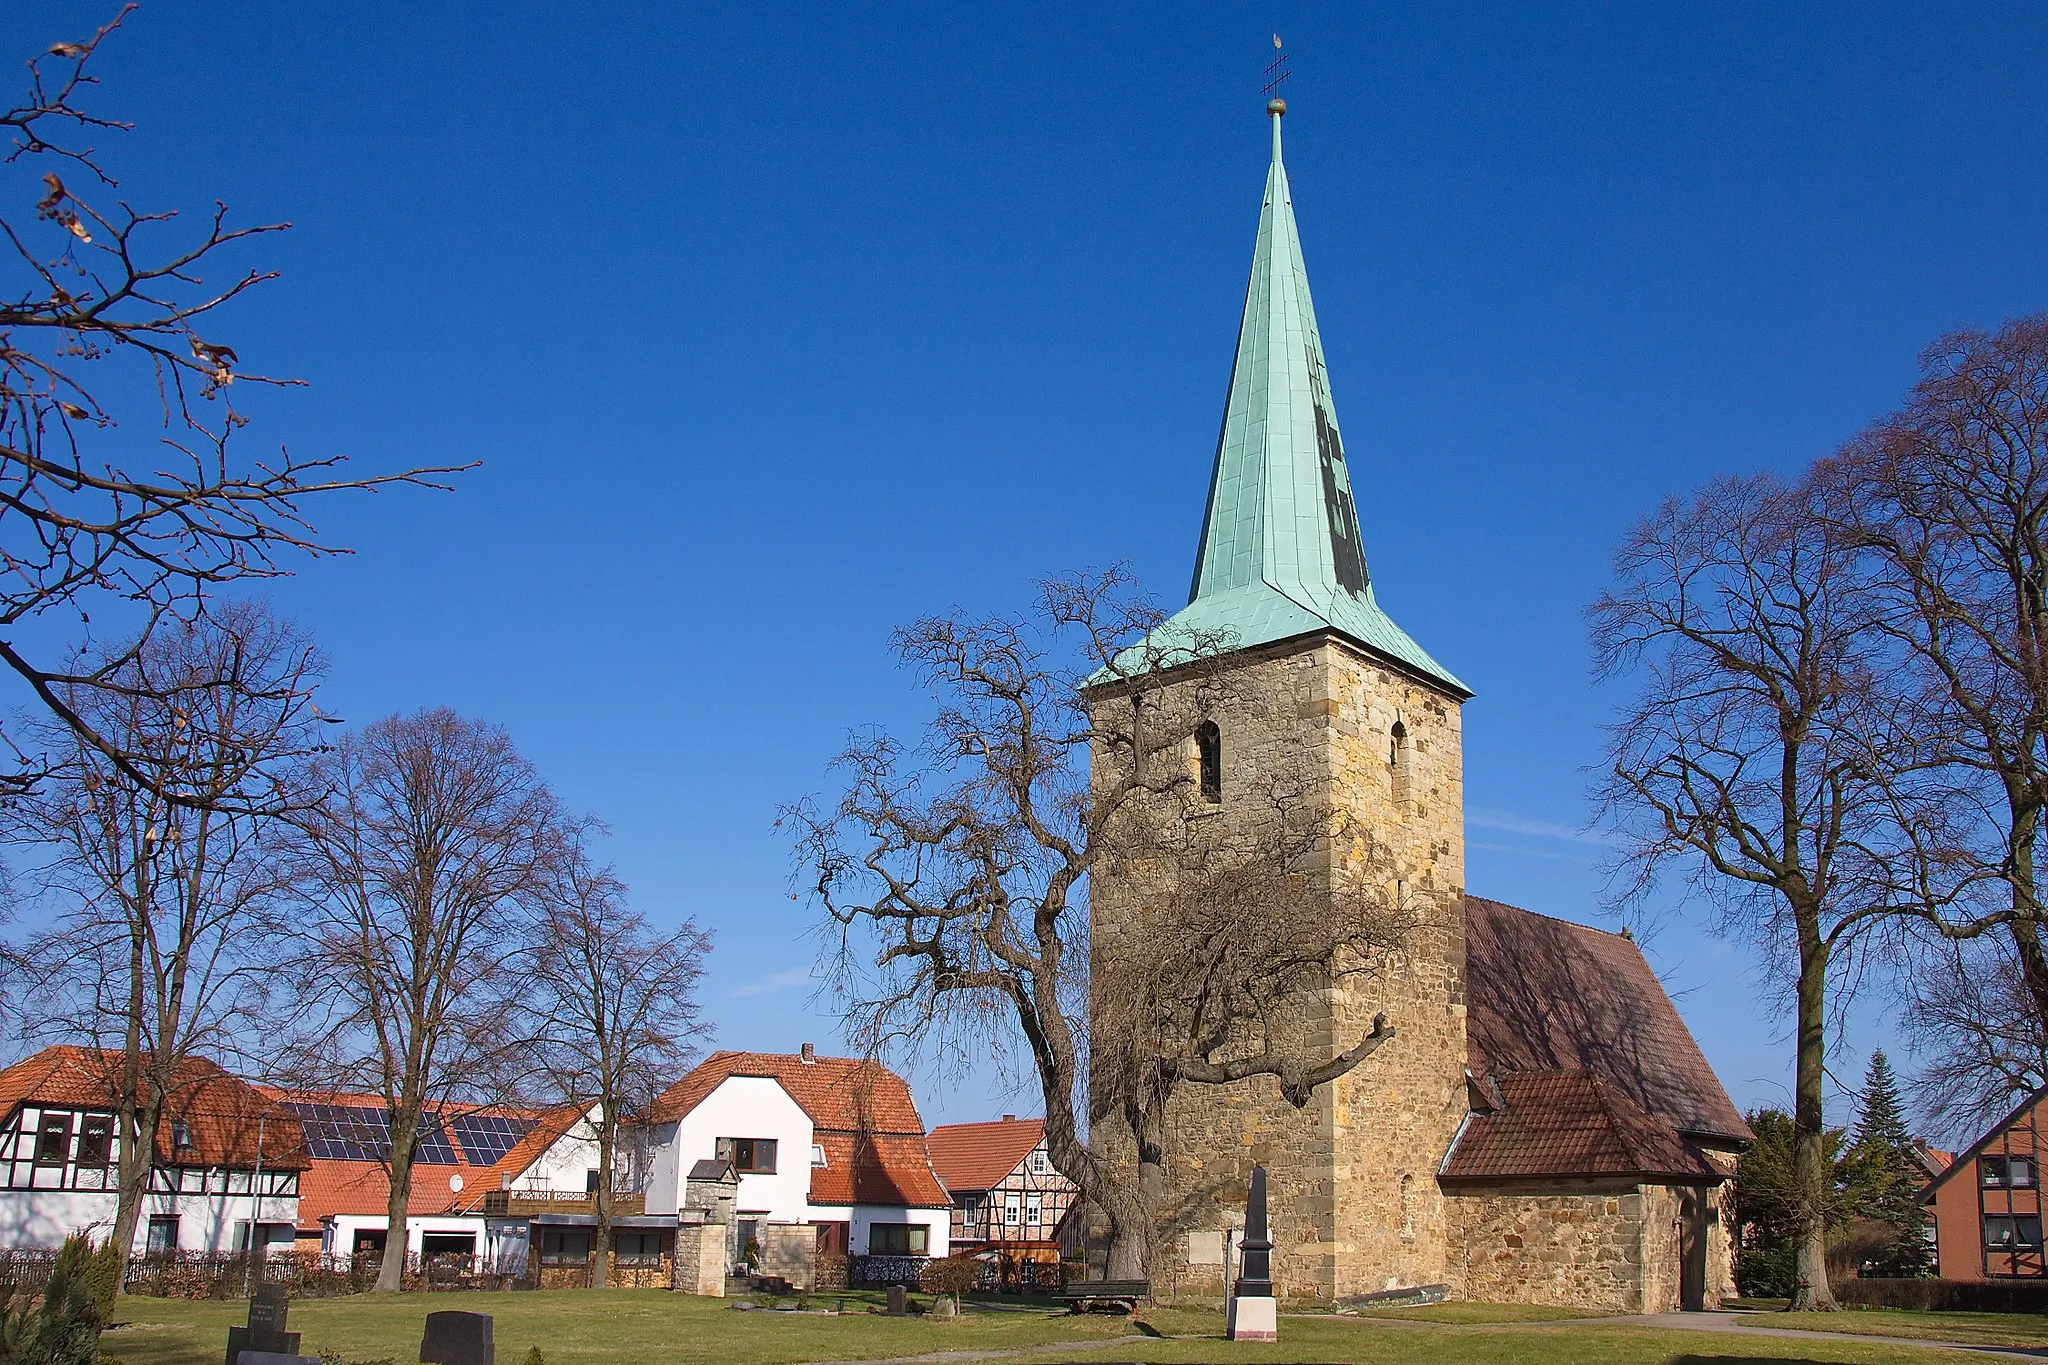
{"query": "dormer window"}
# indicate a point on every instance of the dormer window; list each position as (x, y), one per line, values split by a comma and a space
(181, 1135)
(817, 1154)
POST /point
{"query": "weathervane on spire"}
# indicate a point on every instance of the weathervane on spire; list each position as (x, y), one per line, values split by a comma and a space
(1276, 76)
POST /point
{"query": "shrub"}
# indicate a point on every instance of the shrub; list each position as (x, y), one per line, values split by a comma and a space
(534, 1357)
(950, 1275)
(67, 1329)
(1767, 1272)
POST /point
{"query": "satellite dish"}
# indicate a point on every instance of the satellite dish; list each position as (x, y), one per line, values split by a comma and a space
(455, 1184)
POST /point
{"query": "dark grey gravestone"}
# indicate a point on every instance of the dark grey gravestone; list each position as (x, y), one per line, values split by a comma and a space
(246, 1341)
(458, 1339)
(268, 1308)
(899, 1301)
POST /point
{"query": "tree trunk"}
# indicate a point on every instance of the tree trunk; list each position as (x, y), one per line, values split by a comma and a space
(1810, 1174)
(600, 1273)
(391, 1274)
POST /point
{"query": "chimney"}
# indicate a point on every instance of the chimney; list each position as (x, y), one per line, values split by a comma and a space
(1009, 1118)
(809, 1055)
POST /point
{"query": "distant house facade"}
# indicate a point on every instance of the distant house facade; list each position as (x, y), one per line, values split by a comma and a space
(1005, 1190)
(500, 1191)
(1986, 1204)
(225, 1175)
(830, 1143)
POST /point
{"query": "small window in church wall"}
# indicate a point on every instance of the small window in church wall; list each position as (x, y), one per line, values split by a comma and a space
(1398, 750)
(1408, 1207)
(1209, 761)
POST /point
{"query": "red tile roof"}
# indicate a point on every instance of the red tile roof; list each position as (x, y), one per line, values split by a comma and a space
(1544, 994)
(228, 1119)
(978, 1156)
(1566, 1124)
(885, 1168)
(841, 1094)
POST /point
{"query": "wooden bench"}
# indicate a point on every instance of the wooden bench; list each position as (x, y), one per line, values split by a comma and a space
(1089, 1296)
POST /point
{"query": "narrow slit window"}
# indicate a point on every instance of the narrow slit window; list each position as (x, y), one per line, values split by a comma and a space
(1397, 758)
(1209, 761)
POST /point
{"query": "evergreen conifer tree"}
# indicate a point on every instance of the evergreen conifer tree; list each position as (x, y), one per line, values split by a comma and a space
(1882, 1180)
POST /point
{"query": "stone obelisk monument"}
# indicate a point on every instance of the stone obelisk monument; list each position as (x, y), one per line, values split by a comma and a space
(1253, 1315)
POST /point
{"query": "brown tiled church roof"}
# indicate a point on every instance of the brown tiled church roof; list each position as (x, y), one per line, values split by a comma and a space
(1546, 995)
(1570, 1124)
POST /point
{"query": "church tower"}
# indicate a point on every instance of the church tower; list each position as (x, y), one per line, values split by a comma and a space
(1332, 704)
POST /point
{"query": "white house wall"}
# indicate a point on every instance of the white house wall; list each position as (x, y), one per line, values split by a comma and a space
(747, 1107)
(567, 1162)
(937, 1223)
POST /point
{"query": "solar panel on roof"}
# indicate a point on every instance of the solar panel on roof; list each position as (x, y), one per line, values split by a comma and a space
(486, 1138)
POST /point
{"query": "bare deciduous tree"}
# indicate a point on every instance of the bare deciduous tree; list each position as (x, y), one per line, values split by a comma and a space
(108, 332)
(1949, 499)
(433, 839)
(1976, 1026)
(1761, 757)
(166, 912)
(608, 1010)
(955, 876)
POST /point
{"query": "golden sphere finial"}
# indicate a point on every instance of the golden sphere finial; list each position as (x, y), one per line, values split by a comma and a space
(1276, 107)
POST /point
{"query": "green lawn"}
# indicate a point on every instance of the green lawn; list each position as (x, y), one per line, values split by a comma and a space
(636, 1326)
(1982, 1329)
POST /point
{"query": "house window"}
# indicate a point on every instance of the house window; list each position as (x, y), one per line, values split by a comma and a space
(1038, 1163)
(1013, 1211)
(749, 1156)
(96, 1140)
(639, 1249)
(817, 1154)
(1209, 760)
(970, 1209)
(163, 1235)
(53, 1140)
(1034, 1209)
(590, 1180)
(2012, 1232)
(897, 1239)
(564, 1246)
(181, 1135)
(2007, 1172)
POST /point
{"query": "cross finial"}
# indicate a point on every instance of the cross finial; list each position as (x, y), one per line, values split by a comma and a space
(1276, 76)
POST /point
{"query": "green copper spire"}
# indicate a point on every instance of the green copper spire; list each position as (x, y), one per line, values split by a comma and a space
(1281, 553)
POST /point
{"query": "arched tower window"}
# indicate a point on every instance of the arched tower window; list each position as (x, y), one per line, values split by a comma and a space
(1209, 761)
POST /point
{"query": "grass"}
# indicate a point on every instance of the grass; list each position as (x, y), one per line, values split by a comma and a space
(1471, 1313)
(1978, 1329)
(632, 1326)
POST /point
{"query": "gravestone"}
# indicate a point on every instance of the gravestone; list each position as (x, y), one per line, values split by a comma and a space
(265, 1332)
(899, 1301)
(458, 1339)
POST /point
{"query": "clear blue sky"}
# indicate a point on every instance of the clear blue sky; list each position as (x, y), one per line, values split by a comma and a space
(777, 325)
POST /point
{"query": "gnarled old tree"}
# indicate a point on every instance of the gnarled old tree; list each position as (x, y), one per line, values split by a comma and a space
(120, 497)
(955, 875)
(1762, 756)
(165, 917)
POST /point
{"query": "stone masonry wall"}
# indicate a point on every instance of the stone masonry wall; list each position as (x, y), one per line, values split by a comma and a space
(1578, 1249)
(1354, 1200)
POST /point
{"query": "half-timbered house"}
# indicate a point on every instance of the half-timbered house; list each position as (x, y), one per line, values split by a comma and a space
(225, 1173)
